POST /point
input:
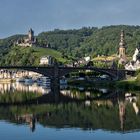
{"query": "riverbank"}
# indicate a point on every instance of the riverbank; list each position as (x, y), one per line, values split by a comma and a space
(129, 84)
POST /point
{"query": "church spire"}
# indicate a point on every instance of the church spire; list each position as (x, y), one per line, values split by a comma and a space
(122, 45)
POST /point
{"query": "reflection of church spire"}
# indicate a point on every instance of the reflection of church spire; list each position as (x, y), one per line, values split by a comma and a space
(122, 114)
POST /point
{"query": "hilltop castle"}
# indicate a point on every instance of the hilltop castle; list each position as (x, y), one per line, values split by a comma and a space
(28, 41)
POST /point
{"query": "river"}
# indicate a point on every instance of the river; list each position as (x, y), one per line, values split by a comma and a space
(32, 112)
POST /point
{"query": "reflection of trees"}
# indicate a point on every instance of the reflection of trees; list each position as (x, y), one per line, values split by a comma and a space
(65, 96)
(22, 87)
(17, 97)
(101, 114)
(76, 109)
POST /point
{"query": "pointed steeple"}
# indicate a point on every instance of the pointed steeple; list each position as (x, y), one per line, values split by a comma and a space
(122, 43)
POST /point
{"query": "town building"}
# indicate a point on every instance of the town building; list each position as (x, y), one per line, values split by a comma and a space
(134, 64)
(46, 60)
(87, 58)
(136, 54)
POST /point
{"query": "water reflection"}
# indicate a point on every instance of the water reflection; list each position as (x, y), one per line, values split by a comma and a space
(22, 87)
(30, 119)
(89, 109)
(74, 115)
(130, 99)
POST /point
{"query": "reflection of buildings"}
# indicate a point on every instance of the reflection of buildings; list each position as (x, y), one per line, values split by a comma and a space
(68, 93)
(104, 103)
(11, 87)
(76, 94)
(129, 98)
(13, 74)
(136, 109)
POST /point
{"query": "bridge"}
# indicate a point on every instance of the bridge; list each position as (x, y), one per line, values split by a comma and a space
(59, 71)
(56, 72)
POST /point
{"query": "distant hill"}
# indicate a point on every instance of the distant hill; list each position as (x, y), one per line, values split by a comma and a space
(76, 43)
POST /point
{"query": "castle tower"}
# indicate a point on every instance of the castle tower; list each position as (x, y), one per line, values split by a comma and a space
(122, 46)
(31, 35)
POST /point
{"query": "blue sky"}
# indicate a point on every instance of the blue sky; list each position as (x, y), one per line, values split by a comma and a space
(17, 16)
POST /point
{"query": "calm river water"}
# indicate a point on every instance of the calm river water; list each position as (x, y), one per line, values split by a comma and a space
(32, 112)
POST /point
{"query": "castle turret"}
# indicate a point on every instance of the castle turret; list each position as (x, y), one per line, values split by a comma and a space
(27, 41)
(31, 35)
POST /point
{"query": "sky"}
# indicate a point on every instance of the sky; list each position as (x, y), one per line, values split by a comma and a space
(17, 16)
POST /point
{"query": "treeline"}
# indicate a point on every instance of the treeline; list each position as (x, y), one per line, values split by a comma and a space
(92, 41)
(68, 42)
(7, 43)
(105, 41)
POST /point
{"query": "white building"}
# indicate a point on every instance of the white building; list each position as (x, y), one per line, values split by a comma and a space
(135, 63)
(46, 60)
(87, 59)
(135, 55)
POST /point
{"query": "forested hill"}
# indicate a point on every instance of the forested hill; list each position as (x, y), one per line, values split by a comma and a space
(105, 41)
(92, 41)
(80, 42)
(6, 43)
(68, 42)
